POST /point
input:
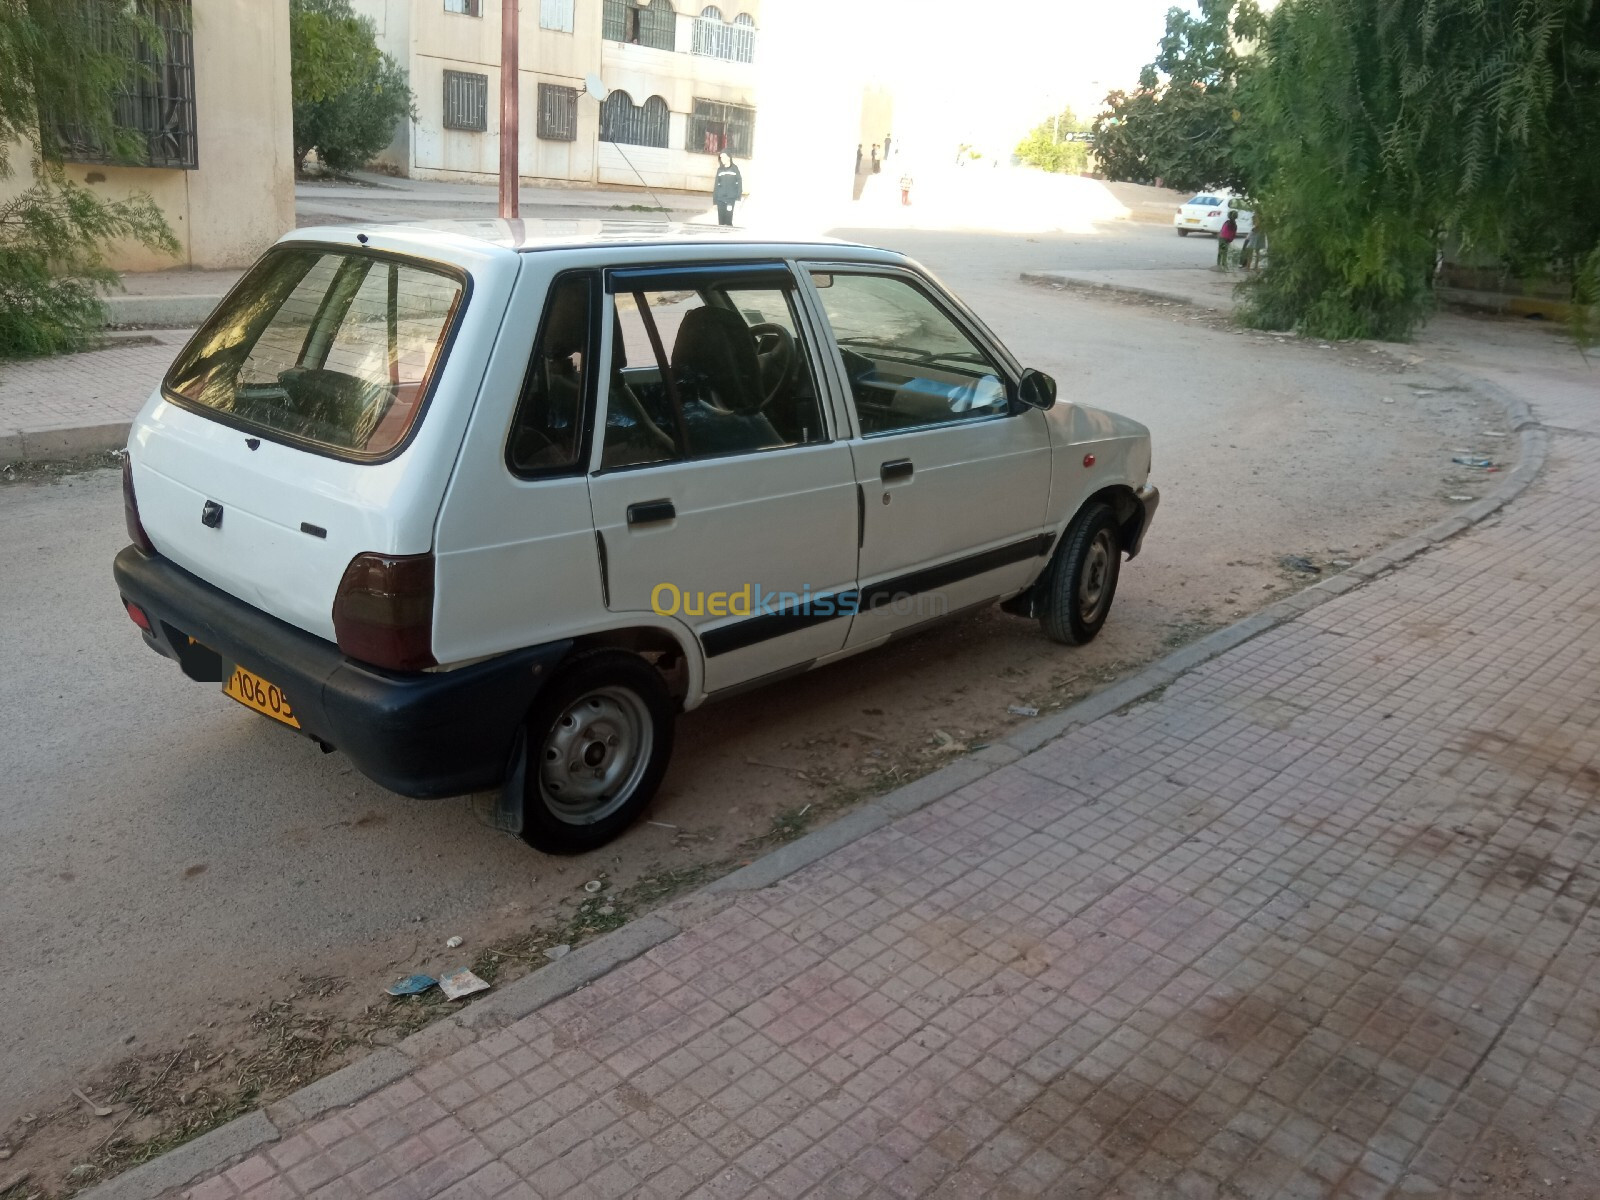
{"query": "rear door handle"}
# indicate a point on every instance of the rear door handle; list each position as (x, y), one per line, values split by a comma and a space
(900, 468)
(650, 512)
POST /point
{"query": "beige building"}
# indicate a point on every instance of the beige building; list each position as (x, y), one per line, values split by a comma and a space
(217, 121)
(682, 85)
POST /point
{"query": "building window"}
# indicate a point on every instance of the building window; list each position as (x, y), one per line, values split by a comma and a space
(717, 38)
(642, 125)
(653, 24)
(467, 8)
(155, 106)
(715, 127)
(558, 113)
(556, 14)
(466, 101)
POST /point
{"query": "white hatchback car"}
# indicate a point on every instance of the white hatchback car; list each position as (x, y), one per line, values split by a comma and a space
(1206, 212)
(484, 509)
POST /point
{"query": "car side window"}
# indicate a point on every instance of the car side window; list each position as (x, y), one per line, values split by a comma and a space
(909, 364)
(716, 367)
(547, 430)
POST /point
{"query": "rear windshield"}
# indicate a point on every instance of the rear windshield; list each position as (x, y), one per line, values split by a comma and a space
(331, 347)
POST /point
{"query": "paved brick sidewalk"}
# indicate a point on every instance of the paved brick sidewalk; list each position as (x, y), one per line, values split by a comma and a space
(1319, 920)
(98, 388)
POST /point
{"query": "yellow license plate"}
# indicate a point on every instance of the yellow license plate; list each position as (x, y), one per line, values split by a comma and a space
(252, 691)
(1191, 220)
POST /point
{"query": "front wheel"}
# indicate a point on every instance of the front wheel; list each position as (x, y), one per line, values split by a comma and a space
(599, 737)
(1079, 583)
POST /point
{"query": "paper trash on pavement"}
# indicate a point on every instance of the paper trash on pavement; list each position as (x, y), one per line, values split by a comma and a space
(462, 982)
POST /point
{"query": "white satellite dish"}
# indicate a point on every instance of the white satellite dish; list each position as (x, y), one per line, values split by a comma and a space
(593, 85)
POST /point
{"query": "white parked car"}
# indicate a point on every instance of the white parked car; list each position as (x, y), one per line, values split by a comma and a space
(1206, 212)
(484, 510)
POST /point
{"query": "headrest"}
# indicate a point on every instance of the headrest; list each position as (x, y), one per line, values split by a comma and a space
(715, 343)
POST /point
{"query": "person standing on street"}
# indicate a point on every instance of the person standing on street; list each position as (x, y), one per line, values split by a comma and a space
(727, 189)
(905, 189)
(858, 158)
(876, 165)
(1225, 236)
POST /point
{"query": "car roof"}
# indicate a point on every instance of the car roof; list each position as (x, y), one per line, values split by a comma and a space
(467, 241)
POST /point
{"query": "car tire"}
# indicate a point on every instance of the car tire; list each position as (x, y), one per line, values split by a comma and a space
(1076, 591)
(1183, 233)
(599, 736)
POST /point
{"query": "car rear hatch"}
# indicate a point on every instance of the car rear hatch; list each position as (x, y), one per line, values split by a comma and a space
(315, 417)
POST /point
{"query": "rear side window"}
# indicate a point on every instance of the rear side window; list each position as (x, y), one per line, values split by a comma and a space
(334, 348)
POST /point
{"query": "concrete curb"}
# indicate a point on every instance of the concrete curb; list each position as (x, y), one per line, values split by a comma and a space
(43, 445)
(222, 1147)
(160, 312)
(1117, 289)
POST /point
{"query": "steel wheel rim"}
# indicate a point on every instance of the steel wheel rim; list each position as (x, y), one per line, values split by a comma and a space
(595, 754)
(1094, 579)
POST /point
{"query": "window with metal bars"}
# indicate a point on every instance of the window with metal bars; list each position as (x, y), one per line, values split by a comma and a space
(466, 101)
(155, 106)
(716, 38)
(652, 23)
(715, 127)
(558, 113)
(467, 8)
(634, 125)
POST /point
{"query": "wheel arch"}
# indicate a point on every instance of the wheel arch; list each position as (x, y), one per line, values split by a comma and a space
(673, 653)
(1124, 502)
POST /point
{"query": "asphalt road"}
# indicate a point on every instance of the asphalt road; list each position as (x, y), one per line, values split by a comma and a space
(166, 856)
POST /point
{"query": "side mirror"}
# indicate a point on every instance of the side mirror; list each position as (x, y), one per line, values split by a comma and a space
(1036, 390)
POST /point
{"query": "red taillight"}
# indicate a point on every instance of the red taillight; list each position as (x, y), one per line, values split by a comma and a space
(130, 510)
(383, 612)
(137, 615)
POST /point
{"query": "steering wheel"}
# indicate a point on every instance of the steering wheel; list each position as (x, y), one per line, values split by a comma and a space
(776, 353)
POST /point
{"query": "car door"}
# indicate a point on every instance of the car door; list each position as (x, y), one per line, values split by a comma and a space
(720, 494)
(954, 472)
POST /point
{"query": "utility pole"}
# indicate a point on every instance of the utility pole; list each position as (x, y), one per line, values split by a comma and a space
(509, 113)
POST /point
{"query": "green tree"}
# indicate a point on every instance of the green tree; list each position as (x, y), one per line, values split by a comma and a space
(1051, 147)
(1183, 124)
(62, 65)
(348, 95)
(1387, 131)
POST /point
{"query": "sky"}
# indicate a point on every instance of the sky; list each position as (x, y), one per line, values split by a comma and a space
(990, 80)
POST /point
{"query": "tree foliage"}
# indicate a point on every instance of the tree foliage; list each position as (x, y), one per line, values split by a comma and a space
(1389, 131)
(62, 64)
(1050, 148)
(348, 95)
(1184, 124)
(52, 265)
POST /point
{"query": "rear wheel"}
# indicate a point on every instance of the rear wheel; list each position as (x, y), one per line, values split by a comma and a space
(1078, 586)
(1183, 233)
(599, 737)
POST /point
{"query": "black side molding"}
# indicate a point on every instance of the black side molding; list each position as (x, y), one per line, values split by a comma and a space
(933, 578)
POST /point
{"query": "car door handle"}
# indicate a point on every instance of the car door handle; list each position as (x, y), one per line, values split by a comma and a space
(900, 468)
(651, 511)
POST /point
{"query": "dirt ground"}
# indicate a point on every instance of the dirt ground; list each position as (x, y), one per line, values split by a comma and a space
(1280, 461)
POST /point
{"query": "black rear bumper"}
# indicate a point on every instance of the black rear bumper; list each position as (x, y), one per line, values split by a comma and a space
(423, 734)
